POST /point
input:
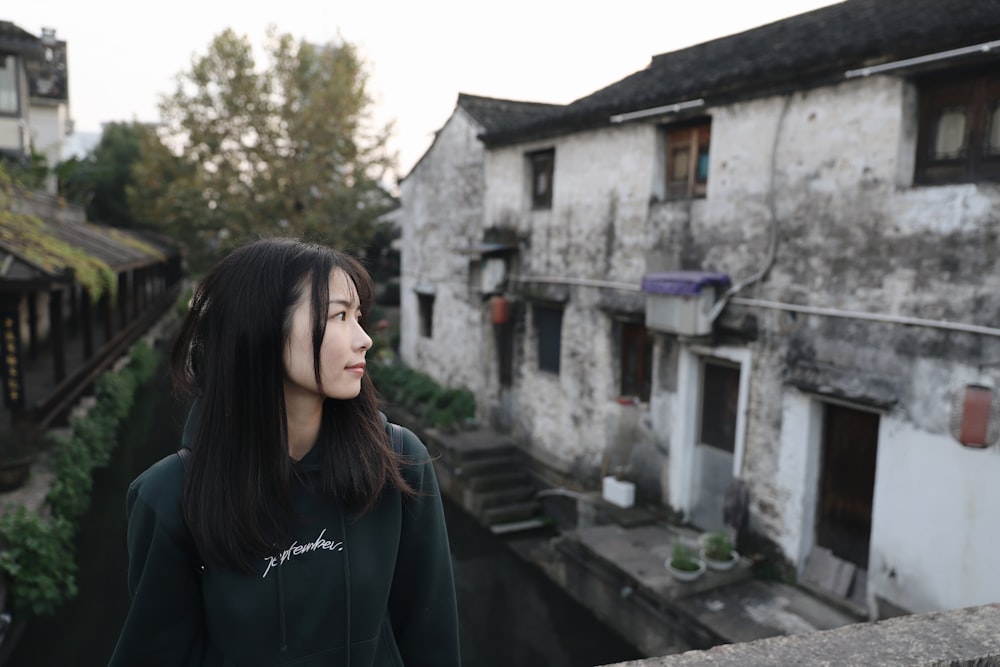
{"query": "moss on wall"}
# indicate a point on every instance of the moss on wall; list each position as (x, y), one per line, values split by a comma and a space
(31, 238)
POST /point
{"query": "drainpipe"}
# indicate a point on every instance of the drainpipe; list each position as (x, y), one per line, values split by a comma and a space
(772, 248)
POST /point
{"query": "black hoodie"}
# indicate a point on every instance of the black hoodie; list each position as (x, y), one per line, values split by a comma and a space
(370, 592)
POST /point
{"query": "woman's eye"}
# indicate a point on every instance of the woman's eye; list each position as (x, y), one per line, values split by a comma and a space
(340, 316)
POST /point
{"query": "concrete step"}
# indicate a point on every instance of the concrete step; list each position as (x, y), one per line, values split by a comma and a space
(505, 496)
(497, 481)
(487, 466)
(518, 526)
(510, 513)
(486, 450)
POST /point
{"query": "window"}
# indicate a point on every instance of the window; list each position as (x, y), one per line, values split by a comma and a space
(425, 303)
(959, 129)
(636, 361)
(687, 159)
(548, 329)
(541, 164)
(8, 85)
(719, 401)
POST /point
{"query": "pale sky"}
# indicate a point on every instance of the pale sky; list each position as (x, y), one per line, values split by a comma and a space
(123, 55)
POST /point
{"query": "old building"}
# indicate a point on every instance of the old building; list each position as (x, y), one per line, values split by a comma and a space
(34, 96)
(73, 297)
(762, 269)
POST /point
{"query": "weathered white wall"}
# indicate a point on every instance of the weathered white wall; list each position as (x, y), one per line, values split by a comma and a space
(829, 171)
(595, 230)
(48, 136)
(854, 235)
(442, 214)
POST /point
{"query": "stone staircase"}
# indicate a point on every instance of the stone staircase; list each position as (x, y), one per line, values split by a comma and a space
(496, 487)
(485, 473)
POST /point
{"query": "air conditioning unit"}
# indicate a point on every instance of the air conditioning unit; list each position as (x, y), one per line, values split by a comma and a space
(680, 302)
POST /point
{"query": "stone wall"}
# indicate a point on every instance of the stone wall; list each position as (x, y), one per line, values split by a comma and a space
(959, 638)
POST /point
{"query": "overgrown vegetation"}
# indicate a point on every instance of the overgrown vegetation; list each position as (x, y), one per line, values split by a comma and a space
(29, 236)
(37, 555)
(417, 392)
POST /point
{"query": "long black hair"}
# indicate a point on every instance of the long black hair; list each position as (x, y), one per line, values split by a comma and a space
(229, 355)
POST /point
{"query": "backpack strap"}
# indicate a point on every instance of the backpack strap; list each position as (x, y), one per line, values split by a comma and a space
(184, 454)
(396, 438)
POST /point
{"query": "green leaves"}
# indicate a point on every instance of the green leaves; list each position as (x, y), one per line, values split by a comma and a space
(37, 550)
(416, 391)
(280, 147)
(37, 557)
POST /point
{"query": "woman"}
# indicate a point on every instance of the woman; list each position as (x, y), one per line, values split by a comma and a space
(287, 530)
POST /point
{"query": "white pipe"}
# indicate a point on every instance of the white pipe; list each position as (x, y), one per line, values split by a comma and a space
(873, 317)
(778, 305)
(656, 111)
(985, 47)
(583, 282)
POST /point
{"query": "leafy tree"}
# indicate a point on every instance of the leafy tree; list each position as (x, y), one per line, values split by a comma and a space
(285, 149)
(101, 179)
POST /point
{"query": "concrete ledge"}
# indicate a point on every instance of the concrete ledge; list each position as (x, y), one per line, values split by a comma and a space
(959, 638)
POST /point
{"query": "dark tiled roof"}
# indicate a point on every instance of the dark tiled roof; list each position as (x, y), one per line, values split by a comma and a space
(496, 115)
(16, 40)
(810, 49)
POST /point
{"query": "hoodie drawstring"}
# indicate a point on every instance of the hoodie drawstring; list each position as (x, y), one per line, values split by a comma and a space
(347, 592)
(281, 611)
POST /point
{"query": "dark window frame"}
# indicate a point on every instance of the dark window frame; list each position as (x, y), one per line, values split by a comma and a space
(688, 143)
(542, 168)
(15, 72)
(977, 94)
(425, 308)
(547, 320)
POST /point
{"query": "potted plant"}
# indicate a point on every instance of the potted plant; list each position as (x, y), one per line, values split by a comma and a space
(683, 564)
(17, 453)
(718, 552)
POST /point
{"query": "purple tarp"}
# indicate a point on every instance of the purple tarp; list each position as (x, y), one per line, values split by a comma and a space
(683, 283)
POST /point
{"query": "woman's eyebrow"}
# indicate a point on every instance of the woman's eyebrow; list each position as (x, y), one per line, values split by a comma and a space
(343, 302)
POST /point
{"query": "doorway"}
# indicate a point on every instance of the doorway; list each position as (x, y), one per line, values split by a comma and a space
(845, 492)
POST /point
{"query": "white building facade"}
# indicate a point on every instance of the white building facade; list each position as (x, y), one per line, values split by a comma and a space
(844, 226)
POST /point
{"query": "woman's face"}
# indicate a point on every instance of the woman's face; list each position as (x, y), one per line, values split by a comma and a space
(342, 354)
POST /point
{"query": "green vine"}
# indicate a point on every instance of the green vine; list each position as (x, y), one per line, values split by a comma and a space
(37, 555)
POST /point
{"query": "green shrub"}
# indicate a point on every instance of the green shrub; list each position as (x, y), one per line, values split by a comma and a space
(419, 393)
(37, 558)
(37, 554)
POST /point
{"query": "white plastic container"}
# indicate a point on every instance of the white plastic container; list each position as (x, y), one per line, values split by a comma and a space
(618, 492)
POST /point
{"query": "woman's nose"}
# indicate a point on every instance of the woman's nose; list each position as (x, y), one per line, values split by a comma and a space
(362, 340)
